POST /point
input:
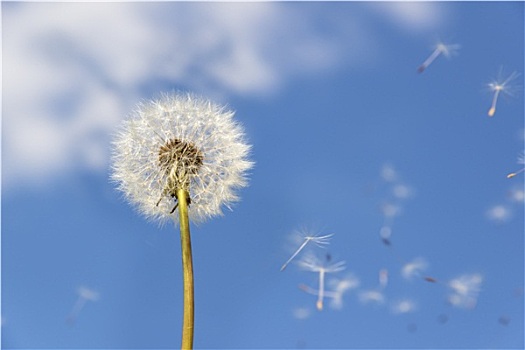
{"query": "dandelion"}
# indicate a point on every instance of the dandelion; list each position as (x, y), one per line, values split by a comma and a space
(521, 161)
(312, 263)
(84, 295)
(180, 142)
(501, 85)
(465, 290)
(320, 241)
(181, 158)
(441, 48)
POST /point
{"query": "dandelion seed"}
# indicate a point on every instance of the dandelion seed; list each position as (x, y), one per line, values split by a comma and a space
(320, 241)
(430, 279)
(312, 263)
(371, 296)
(383, 278)
(403, 306)
(441, 48)
(390, 210)
(385, 232)
(465, 290)
(501, 86)
(402, 191)
(517, 195)
(301, 313)
(413, 268)
(339, 288)
(499, 213)
(84, 295)
(521, 161)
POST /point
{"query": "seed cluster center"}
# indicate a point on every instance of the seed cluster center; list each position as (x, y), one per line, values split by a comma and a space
(180, 158)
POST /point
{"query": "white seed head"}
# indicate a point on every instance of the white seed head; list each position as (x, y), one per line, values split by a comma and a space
(180, 141)
(505, 85)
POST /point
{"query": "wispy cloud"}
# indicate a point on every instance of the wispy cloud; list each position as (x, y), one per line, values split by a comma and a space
(411, 16)
(73, 70)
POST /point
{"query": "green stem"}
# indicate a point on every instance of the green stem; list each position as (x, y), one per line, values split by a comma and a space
(187, 270)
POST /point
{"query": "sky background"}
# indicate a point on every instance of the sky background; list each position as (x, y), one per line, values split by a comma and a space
(348, 139)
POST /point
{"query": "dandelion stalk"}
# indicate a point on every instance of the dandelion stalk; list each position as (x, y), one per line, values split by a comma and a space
(312, 263)
(441, 48)
(187, 269)
(183, 153)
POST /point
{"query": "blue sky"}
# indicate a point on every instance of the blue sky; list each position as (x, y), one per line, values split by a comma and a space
(348, 139)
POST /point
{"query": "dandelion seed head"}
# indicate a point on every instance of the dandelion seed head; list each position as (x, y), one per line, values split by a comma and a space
(180, 141)
(504, 85)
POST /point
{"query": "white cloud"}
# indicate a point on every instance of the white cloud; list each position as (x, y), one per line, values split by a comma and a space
(412, 16)
(73, 70)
